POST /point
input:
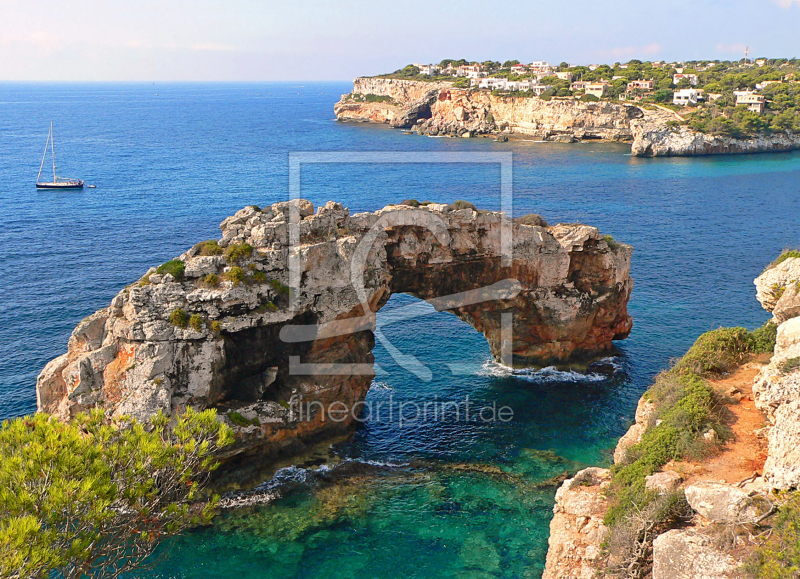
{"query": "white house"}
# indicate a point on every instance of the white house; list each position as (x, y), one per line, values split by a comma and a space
(428, 69)
(568, 76)
(519, 69)
(540, 67)
(685, 96)
(597, 89)
(754, 102)
(692, 78)
(493, 83)
(579, 85)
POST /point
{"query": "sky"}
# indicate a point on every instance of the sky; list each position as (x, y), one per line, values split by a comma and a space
(266, 40)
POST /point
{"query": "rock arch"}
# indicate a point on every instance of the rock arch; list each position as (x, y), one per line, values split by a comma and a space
(254, 347)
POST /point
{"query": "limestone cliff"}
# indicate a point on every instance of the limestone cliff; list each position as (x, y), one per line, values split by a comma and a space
(440, 109)
(777, 389)
(652, 138)
(285, 316)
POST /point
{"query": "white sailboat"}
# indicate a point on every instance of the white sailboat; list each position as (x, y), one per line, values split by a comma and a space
(57, 182)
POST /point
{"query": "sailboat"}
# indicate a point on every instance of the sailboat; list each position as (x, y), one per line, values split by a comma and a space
(57, 182)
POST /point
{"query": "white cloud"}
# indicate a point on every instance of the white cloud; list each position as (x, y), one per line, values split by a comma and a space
(786, 3)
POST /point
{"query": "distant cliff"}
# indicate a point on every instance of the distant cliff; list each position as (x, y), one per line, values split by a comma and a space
(440, 109)
(652, 138)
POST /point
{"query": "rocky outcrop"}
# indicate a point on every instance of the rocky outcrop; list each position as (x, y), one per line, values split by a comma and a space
(439, 109)
(654, 138)
(279, 328)
(776, 390)
(576, 529)
(400, 103)
(644, 413)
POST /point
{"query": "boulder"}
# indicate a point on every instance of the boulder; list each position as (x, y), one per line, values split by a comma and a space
(773, 283)
(687, 554)
(724, 503)
(663, 482)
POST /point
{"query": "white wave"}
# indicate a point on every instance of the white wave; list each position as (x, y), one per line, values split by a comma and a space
(388, 464)
(541, 376)
(380, 386)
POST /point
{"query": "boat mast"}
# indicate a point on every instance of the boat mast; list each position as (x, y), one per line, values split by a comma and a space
(53, 151)
(44, 154)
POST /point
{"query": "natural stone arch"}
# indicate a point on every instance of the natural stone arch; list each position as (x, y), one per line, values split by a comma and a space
(565, 287)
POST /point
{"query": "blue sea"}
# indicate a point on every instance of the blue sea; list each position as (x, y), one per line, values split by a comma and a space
(432, 498)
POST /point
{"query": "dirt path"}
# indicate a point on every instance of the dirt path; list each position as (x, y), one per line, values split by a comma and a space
(745, 453)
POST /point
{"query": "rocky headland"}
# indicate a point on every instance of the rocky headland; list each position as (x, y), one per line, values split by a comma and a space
(731, 498)
(440, 109)
(279, 313)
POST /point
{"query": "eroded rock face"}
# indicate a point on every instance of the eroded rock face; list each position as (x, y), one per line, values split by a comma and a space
(776, 389)
(576, 529)
(436, 108)
(656, 139)
(259, 349)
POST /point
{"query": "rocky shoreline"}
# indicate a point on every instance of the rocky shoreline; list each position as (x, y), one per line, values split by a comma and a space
(694, 550)
(440, 109)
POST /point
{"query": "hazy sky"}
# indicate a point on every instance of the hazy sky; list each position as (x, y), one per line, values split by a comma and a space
(254, 40)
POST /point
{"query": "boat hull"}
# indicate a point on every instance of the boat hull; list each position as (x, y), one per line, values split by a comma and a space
(61, 185)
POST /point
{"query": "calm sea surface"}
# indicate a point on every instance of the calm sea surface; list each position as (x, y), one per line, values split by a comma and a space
(436, 498)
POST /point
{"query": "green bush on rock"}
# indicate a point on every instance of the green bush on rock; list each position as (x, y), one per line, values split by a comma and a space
(235, 275)
(174, 268)
(179, 318)
(236, 252)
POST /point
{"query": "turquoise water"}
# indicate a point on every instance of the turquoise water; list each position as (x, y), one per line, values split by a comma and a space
(432, 498)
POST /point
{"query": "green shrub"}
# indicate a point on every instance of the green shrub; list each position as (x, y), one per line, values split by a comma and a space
(216, 327)
(209, 247)
(196, 321)
(283, 290)
(240, 420)
(212, 280)
(235, 252)
(179, 318)
(145, 280)
(235, 275)
(779, 556)
(789, 365)
(94, 495)
(589, 98)
(174, 267)
(461, 204)
(259, 277)
(532, 219)
(410, 202)
(717, 351)
(762, 340)
(612, 243)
